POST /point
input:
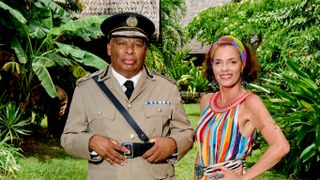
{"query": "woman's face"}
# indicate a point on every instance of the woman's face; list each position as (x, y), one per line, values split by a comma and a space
(227, 66)
(127, 55)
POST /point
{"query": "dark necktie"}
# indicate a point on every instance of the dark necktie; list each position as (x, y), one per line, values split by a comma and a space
(129, 85)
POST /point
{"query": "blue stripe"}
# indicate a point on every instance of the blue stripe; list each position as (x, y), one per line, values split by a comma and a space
(158, 102)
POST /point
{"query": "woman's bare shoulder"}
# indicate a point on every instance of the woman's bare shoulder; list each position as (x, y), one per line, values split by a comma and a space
(253, 100)
(256, 111)
(205, 100)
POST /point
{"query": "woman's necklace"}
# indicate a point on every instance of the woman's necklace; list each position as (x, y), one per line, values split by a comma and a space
(219, 108)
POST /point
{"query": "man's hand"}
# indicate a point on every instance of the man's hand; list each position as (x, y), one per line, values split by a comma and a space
(107, 148)
(163, 148)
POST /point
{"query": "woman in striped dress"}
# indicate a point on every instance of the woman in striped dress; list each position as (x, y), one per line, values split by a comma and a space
(231, 117)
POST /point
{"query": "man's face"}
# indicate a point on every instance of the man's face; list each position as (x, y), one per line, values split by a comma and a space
(127, 55)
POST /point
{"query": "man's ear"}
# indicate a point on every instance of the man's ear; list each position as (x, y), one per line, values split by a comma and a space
(145, 54)
(109, 49)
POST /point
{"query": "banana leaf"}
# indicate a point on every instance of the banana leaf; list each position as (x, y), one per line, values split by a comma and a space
(45, 61)
(37, 30)
(79, 71)
(39, 67)
(81, 56)
(87, 28)
(61, 61)
(21, 54)
(16, 14)
(13, 66)
(57, 10)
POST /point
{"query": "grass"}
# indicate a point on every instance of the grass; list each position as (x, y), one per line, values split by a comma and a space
(47, 161)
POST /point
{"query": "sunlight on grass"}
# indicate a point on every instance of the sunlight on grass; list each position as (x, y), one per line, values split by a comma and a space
(184, 168)
(47, 169)
(51, 162)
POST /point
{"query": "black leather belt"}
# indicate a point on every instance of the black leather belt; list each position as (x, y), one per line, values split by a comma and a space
(136, 149)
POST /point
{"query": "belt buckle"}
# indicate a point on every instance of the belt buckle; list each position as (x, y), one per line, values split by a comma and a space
(128, 146)
(199, 170)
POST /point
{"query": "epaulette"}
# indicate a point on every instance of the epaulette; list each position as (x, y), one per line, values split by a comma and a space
(166, 77)
(88, 76)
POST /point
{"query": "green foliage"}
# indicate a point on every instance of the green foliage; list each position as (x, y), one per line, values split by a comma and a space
(179, 66)
(194, 79)
(155, 60)
(11, 123)
(172, 11)
(35, 36)
(280, 30)
(36, 32)
(296, 107)
(163, 55)
(8, 159)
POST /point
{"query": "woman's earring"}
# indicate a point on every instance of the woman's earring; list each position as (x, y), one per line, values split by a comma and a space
(214, 83)
(244, 83)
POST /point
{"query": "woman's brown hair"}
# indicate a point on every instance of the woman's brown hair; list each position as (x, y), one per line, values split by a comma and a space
(250, 71)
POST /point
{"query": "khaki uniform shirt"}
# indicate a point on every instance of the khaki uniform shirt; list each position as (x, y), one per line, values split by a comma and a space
(91, 113)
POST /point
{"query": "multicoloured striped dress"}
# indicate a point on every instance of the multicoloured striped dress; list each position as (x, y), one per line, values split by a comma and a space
(218, 135)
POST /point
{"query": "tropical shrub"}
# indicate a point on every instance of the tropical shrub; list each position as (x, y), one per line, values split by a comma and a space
(155, 59)
(39, 59)
(180, 65)
(8, 159)
(166, 54)
(11, 123)
(35, 33)
(181, 69)
(195, 79)
(280, 31)
(173, 34)
(294, 102)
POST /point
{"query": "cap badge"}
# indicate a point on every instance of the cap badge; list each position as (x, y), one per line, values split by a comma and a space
(132, 21)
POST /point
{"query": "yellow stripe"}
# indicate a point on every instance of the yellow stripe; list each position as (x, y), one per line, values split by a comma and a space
(128, 27)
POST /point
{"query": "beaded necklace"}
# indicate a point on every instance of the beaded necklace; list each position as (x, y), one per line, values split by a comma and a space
(217, 108)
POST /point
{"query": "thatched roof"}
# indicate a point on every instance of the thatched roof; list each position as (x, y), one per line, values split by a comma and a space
(148, 8)
(193, 8)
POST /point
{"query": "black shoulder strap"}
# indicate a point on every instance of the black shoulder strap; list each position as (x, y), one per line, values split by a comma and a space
(122, 110)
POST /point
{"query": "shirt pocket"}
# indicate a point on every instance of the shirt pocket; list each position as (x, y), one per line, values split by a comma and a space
(158, 116)
(100, 119)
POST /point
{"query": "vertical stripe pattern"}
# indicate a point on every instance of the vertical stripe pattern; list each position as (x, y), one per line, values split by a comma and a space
(218, 136)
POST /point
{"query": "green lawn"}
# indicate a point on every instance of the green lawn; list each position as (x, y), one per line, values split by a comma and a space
(51, 162)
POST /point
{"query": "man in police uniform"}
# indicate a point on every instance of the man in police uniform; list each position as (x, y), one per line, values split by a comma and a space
(95, 129)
